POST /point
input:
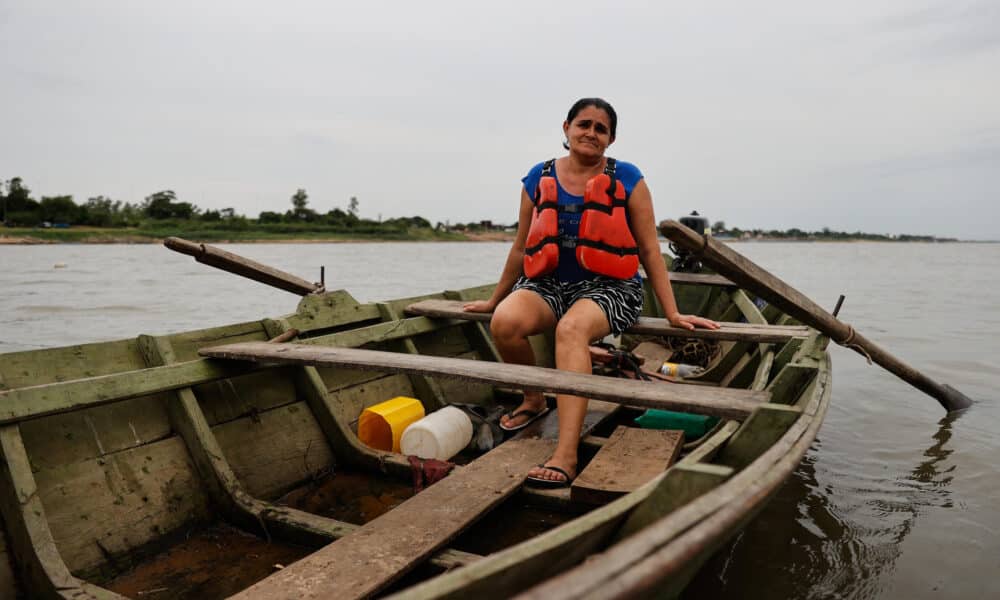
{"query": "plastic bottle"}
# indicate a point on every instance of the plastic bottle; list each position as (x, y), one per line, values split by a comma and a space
(382, 426)
(679, 369)
(441, 434)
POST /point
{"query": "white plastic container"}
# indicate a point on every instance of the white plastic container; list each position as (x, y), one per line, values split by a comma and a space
(441, 434)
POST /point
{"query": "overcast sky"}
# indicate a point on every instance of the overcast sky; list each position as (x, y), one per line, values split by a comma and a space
(873, 115)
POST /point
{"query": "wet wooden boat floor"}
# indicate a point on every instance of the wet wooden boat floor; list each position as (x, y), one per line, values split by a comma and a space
(511, 523)
(221, 560)
(212, 563)
(349, 496)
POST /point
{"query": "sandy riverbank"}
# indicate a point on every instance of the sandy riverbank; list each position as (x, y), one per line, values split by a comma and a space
(4, 240)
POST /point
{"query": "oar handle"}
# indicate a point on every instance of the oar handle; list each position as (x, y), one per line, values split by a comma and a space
(749, 276)
(239, 265)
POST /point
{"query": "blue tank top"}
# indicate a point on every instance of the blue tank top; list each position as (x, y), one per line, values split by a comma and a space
(569, 222)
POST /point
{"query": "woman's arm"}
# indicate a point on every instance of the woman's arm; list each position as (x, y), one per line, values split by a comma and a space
(514, 265)
(643, 225)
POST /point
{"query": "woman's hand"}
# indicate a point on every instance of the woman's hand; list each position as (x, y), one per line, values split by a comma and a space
(692, 321)
(479, 306)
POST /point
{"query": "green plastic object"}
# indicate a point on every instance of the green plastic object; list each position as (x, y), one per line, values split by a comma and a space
(693, 426)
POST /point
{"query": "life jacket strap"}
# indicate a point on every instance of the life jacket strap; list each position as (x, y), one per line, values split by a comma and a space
(552, 239)
(609, 170)
(604, 208)
(547, 167)
(607, 247)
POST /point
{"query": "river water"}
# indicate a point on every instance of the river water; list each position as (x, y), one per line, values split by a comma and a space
(894, 500)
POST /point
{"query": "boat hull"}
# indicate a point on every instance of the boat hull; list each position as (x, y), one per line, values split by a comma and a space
(114, 451)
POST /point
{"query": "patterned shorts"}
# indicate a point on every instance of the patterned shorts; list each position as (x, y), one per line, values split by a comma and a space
(620, 299)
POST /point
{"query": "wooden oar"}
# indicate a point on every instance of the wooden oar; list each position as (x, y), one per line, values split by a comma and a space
(234, 263)
(751, 277)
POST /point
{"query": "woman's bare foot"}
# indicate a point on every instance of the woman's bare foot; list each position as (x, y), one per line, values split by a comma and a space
(533, 403)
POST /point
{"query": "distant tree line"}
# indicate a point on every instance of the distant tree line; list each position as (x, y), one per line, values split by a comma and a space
(826, 234)
(19, 209)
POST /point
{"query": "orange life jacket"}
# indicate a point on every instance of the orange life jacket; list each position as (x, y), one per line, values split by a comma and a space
(541, 251)
(604, 244)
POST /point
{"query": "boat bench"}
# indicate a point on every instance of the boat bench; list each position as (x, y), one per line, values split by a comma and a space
(718, 402)
(629, 459)
(736, 332)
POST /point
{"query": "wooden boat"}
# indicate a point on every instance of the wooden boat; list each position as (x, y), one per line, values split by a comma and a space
(215, 463)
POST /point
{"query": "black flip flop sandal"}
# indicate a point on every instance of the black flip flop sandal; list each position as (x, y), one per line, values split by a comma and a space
(532, 416)
(550, 483)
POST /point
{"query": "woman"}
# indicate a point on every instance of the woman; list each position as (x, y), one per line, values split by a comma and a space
(558, 292)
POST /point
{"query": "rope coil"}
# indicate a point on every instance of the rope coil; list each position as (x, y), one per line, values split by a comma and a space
(847, 343)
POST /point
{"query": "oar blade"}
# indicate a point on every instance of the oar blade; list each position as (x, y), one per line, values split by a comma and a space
(954, 399)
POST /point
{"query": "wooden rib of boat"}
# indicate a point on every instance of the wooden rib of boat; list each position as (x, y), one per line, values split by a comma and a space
(215, 463)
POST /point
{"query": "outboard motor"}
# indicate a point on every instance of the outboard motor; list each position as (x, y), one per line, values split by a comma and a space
(685, 261)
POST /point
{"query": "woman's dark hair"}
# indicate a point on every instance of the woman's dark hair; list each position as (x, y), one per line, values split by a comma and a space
(600, 103)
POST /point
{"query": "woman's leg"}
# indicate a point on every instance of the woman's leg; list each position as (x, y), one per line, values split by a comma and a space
(522, 313)
(583, 323)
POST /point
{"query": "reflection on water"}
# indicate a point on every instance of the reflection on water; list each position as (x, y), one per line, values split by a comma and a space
(821, 552)
(891, 501)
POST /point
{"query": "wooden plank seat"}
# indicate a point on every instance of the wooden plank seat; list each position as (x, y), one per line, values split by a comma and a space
(700, 279)
(720, 402)
(738, 332)
(629, 459)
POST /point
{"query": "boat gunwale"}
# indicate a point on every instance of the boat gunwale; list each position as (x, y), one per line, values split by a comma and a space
(36, 401)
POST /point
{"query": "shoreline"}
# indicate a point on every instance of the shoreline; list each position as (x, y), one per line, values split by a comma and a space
(98, 237)
(93, 235)
(21, 240)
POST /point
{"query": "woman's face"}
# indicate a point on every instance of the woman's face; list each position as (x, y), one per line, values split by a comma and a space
(589, 133)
